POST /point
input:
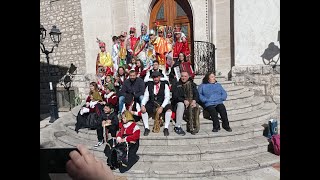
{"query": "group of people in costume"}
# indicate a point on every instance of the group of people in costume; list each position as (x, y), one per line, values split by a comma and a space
(135, 82)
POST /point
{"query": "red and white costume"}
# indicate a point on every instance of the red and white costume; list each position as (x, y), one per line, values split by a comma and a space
(181, 44)
(111, 98)
(131, 130)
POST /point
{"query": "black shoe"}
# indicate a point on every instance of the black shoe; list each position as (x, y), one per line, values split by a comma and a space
(228, 129)
(179, 131)
(146, 132)
(215, 130)
(166, 132)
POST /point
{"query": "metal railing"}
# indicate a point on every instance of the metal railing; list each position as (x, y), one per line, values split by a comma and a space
(204, 57)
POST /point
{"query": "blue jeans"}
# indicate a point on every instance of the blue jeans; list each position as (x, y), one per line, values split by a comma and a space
(121, 102)
(140, 99)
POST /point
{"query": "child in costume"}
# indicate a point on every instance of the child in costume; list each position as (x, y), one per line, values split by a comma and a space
(128, 135)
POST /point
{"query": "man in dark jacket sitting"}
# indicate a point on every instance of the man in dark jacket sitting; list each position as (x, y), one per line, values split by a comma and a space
(185, 97)
(134, 85)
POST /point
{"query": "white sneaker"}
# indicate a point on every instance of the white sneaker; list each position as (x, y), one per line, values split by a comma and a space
(98, 144)
(81, 112)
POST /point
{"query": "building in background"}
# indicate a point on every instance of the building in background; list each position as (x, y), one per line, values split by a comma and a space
(241, 31)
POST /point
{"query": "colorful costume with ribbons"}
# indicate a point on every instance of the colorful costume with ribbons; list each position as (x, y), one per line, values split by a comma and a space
(140, 47)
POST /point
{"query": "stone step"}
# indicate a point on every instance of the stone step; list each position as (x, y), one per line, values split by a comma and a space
(234, 90)
(255, 104)
(205, 135)
(242, 98)
(203, 152)
(200, 152)
(259, 115)
(198, 169)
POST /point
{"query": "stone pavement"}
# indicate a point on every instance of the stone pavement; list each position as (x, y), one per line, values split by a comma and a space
(260, 174)
(269, 173)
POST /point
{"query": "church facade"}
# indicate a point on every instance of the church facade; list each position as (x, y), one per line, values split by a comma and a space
(241, 31)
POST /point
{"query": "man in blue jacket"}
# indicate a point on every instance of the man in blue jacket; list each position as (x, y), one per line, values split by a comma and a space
(212, 95)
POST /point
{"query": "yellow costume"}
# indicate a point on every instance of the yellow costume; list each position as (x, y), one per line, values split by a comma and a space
(105, 59)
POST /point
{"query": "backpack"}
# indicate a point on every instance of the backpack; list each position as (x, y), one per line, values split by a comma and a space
(275, 141)
(271, 129)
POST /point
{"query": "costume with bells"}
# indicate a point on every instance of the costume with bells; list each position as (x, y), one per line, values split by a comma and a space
(130, 133)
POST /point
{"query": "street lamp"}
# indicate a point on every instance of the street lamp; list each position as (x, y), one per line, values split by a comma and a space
(55, 36)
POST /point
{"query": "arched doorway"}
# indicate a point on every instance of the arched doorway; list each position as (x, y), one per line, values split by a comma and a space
(171, 13)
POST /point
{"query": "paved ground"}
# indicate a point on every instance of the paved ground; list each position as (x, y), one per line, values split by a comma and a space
(260, 174)
(270, 173)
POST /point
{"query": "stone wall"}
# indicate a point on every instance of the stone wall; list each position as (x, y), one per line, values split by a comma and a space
(66, 15)
(262, 79)
(221, 36)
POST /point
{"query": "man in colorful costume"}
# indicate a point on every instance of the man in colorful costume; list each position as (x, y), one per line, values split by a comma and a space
(103, 58)
(140, 47)
(161, 47)
(123, 49)
(180, 44)
(131, 42)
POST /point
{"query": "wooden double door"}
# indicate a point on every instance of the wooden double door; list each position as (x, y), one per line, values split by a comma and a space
(172, 13)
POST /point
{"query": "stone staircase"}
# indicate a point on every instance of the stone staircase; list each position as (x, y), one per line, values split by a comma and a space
(203, 155)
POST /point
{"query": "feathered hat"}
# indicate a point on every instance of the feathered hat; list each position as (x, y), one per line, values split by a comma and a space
(101, 43)
(143, 27)
(123, 33)
(152, 32)
(132, 29)
(160, 28)
(169, 29)
(177, 29)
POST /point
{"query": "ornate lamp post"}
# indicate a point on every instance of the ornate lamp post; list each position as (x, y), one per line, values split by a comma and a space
(55, 36)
